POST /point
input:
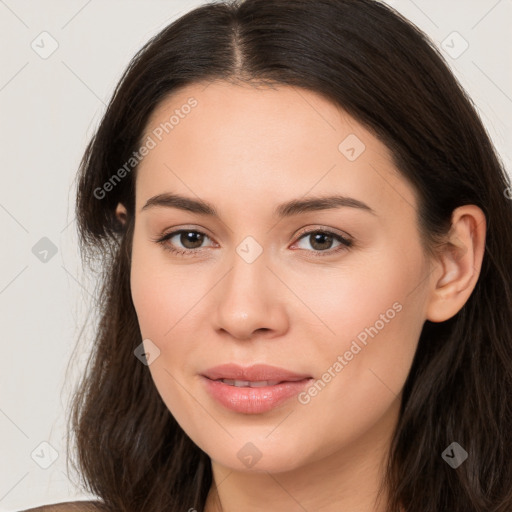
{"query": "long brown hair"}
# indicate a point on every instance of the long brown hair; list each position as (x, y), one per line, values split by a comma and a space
(383, 71)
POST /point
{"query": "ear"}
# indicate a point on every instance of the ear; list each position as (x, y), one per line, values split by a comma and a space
(459, 264)
(121, 213)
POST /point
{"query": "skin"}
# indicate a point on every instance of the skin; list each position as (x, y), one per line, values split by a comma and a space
(245, 150)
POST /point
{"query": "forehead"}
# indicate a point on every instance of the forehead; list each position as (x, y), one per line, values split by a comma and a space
(271, 142)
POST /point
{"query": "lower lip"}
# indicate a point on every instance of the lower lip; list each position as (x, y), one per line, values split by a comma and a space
(253, 400)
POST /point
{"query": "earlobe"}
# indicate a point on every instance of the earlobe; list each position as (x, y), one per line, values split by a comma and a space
(459, 263)
(121, 213)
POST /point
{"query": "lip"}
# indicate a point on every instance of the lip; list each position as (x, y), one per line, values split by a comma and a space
(257, 372)
(253, 400)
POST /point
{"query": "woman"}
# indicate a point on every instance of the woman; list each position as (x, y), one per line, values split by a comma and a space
(307, 296)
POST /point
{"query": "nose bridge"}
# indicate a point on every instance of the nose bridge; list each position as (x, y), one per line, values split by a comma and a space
(245, 284)
(246, 301)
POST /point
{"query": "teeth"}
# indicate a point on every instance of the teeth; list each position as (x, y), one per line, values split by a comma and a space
(247, 383)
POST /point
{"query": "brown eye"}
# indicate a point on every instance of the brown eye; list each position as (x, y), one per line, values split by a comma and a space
(191, 239)
(187, 241)
(322, 241)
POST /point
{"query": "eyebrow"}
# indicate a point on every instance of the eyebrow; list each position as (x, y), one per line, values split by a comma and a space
(287, 209)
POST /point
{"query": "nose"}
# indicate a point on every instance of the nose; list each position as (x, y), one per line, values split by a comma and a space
(251, 301)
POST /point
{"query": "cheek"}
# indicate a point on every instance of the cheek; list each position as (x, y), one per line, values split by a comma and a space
(162, 292)
(380, 290)
(362, 367)
(372, 317)
(151, 298)
(162, 295)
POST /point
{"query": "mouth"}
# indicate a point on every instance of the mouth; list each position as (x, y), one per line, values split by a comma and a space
(258, 375)
(261, 397)
(253, 384)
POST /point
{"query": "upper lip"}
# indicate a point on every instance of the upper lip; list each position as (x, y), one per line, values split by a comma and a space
(255, 373)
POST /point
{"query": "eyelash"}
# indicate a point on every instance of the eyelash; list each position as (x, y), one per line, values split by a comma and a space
(345, 243)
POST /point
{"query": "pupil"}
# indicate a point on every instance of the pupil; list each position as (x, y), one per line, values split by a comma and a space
(318, 237)
(193, 238)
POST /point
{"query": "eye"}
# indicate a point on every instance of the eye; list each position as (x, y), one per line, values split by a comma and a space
(190, 239)
(321, 241)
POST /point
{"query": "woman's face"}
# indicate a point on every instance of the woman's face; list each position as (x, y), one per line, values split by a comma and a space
(263, 283)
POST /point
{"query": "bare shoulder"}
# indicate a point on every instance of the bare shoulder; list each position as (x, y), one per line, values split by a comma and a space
(69, 506)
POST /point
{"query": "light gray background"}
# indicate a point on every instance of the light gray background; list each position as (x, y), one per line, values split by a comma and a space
(49, 110)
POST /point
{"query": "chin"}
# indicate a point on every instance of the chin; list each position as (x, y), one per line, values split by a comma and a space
(257, 456)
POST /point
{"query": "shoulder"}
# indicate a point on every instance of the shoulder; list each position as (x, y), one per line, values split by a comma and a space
(69, 506)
